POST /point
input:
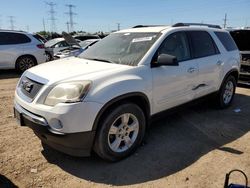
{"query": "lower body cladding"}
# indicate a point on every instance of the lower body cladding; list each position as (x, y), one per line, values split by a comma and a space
(75, 144)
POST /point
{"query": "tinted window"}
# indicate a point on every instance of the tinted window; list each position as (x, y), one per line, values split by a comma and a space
(202, 44)
(226, 40)
(177, 45)
(242, 38)
(13, 38)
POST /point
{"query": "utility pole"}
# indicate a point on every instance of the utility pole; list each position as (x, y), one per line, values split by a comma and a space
(225, 21)
(44, 28)
(52, 16)
(118, 26)
(11, 19)
(71, 14)
(67, 23)
(0, 21)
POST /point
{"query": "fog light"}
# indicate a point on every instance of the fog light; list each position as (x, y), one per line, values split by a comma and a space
(55, 124)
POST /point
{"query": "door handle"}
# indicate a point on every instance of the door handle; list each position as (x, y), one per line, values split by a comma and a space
(219, 63)
(191, 70)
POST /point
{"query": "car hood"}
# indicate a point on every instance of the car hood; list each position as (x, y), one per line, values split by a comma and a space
(71, 68)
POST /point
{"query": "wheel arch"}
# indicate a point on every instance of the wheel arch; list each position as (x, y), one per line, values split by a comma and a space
(232, 72)
(137, 98)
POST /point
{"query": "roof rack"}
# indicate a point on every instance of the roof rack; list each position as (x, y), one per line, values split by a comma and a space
(196, 24)
(138, 26)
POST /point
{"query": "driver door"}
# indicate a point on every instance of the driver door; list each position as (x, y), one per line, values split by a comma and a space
(174, 85)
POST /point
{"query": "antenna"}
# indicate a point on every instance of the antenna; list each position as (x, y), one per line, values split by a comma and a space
(71, 22)
(11, 20)
(52, 16)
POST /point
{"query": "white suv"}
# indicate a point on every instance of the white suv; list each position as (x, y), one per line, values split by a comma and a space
(103, 100)
(20, 50)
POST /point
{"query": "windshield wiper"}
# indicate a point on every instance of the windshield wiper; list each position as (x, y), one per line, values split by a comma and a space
(98, 59)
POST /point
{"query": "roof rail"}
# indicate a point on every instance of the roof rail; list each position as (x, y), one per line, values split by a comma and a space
(138, 26)
(196, 24)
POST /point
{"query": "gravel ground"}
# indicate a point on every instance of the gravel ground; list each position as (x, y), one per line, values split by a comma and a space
(194, 147)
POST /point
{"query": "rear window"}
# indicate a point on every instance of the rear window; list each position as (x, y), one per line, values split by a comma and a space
(226, 40)
(202, 44)
(242, 38)
(7, 38)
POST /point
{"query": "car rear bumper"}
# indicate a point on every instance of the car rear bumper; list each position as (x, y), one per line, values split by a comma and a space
(75, 144)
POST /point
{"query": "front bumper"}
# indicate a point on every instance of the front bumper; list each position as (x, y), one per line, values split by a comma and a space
(75, 144)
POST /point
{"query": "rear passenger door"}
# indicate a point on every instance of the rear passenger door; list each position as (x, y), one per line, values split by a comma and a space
(11, 46)
(206, 53)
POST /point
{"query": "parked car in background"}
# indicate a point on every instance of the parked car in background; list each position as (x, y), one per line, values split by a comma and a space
(55, 45)
(242, 39)
(103, 99)
(83, 37)
(75, 50)
(20, 50)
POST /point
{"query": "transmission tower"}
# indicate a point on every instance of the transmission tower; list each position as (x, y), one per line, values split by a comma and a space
(52, 18)
(11, 20)
(71, 14)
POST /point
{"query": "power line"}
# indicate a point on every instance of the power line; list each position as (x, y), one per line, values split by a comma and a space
(52, 18)
(71, 14)
(11, 20)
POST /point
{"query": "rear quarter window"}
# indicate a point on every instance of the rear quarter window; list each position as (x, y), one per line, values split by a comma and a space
(226, 40)
(13, 38)
(202, 44)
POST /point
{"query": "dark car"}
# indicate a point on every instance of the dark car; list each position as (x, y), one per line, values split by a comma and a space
(242, 39)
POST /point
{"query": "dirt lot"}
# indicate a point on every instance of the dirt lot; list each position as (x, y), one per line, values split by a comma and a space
(195, 147)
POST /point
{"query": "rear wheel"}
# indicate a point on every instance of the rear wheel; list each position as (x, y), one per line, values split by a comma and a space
(121, 133)
(226, 94)
(24, 63)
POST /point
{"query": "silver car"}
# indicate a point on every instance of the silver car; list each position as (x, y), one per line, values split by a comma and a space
(20, 50)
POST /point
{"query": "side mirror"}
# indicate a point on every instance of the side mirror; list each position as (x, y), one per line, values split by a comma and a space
(166, 60)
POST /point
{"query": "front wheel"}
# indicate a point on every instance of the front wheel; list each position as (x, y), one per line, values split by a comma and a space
(226, 93)
(121, 132)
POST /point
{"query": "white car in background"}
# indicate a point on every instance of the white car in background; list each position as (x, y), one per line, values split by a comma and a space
(75, 50)
(20, 50)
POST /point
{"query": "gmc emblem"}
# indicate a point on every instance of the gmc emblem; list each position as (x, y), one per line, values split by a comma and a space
(27, 86)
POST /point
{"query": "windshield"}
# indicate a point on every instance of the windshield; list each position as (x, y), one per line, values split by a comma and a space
(242, 38)
(121, 48)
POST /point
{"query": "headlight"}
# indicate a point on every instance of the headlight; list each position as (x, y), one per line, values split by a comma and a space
(67, 92)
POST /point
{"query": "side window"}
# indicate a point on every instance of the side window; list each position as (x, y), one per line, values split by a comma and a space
(13, 38)
(64, 44)
(202, 44)
(226, 40)
(176, 44)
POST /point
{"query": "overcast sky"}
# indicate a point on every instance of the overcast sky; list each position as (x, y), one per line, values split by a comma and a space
(101, 15)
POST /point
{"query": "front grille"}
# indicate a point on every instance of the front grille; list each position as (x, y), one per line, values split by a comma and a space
(29, 87)
(245, 57)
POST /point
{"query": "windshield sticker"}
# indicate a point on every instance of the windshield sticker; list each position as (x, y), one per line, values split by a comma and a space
(142, 39)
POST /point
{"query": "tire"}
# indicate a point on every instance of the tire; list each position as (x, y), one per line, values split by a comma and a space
(48, 56)
(24, 63)
(226, 93)
(116, 137)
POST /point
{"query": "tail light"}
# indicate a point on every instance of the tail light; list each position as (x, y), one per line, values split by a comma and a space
(41, 46)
